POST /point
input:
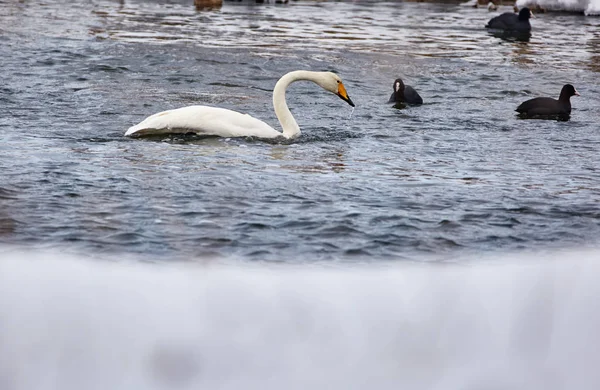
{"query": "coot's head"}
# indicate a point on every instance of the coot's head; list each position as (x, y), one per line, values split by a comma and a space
(568, 90)
(525, 14)
(398, 85)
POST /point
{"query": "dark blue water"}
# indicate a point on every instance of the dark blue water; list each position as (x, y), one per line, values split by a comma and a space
(460, 174)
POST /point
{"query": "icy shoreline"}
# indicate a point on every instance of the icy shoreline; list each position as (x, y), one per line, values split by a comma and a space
(588, 7)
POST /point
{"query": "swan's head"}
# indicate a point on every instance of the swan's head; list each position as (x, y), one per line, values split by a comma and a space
(333, 83)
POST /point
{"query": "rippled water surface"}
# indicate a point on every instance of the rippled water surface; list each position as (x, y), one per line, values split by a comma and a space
(459, 174)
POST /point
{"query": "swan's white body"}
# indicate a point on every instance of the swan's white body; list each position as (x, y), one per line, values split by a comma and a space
(203, 120)
(206, 120)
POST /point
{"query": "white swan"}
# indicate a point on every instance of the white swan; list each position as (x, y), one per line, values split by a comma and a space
(221, 122)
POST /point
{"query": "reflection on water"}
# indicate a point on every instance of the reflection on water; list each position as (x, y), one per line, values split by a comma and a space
(204, 5)
(400, 105)
(512, 36)
(560, 118)
(441, 30)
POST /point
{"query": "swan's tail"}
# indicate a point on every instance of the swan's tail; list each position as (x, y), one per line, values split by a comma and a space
(157, 123)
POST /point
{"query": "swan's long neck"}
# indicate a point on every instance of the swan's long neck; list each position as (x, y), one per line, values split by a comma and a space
(288, 123)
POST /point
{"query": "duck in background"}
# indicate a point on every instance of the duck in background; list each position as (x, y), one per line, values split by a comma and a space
(509, 21)
(549, 108)
(404, 94)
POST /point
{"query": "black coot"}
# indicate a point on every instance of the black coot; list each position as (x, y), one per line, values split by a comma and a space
(404, 94)
(509, 21)
(547, 107)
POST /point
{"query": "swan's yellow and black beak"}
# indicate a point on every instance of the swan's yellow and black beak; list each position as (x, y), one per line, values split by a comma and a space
(343, 94)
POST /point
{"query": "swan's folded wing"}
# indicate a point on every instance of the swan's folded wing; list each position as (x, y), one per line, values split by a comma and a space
(203, 120)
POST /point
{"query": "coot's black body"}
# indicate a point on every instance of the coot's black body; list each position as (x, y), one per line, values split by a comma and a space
(509, 21)
(545, 107)
(404, 94)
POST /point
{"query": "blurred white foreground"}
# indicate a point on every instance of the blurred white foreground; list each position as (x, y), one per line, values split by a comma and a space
(589, 7)
(511, 323)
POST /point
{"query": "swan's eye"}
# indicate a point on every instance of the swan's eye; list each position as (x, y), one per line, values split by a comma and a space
(338, 81)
